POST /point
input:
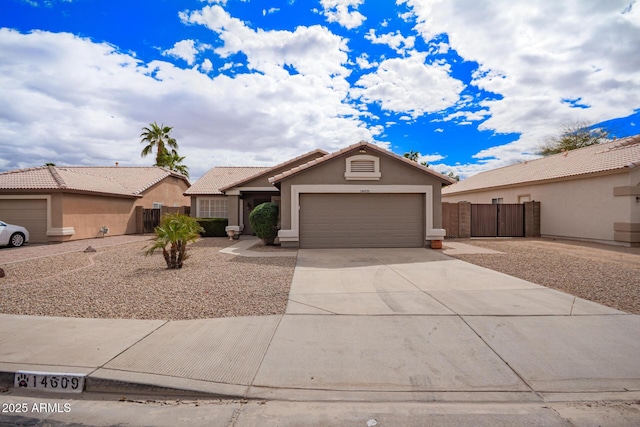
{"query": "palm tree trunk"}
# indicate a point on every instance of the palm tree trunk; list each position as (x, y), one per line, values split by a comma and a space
(174, 256)
(182, 249)
(166, 257)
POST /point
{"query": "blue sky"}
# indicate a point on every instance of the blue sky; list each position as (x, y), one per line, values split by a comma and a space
(469, 85)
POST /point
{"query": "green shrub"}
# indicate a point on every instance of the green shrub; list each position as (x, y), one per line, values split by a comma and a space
(264, 222)
(213, 227)
(172, 236)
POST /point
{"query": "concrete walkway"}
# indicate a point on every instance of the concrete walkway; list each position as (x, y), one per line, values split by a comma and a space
(243, 245)
(410, 325)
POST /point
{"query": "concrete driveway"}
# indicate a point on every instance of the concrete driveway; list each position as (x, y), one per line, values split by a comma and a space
(417, 322)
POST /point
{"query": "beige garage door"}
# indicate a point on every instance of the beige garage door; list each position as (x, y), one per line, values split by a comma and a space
(361, 220)
(29, 213)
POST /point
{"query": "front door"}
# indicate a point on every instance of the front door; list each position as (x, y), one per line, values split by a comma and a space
(249, 203)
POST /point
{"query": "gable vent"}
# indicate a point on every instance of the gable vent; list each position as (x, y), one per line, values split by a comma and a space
(363, 166)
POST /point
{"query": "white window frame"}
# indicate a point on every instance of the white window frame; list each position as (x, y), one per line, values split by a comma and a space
(362, 176)
(212, 210)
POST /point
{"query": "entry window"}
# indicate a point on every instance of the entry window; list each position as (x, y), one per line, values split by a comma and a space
(497, 201)
(212, 208)
(362, 167)
(157, 205)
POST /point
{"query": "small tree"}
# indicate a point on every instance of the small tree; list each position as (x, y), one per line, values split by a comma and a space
(574, 135)
(264, 222)
(414, 156)
(453, 175)
(174, 232)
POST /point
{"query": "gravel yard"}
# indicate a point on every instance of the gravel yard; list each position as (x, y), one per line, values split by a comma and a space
(607, 275)
(120, 282)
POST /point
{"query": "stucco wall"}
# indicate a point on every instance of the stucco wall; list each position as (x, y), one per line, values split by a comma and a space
(169, 192)
(88, 213)
(579, 209)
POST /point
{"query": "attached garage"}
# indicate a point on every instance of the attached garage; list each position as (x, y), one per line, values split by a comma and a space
(361, 220)
(29, 213)
(362, 196)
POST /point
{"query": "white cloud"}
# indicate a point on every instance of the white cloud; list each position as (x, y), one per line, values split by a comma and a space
(310, 50)
(344, 12)
(270, 11)
(184, 49)
(535, 55)
(439, 130)
(395, 41)
(69, 100)
(206, 65)
(408, 85)
(363, 62)
(467, 116)
(429, 158)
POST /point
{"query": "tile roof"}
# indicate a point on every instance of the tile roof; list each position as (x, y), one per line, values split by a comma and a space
(122, 180)
(445, 179)
(317, 151)
(222, 176)
(610, 156)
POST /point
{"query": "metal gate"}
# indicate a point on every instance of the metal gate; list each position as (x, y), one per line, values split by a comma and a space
(499, 220)
(150, 219)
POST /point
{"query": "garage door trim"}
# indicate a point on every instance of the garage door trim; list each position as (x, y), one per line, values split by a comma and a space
(45, 197)
(293, 235)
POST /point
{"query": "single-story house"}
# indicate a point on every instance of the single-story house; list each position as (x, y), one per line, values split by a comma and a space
(69, 203)
(591, 193)
(360, 196)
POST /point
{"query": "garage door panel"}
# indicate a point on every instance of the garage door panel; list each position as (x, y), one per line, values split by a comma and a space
(31, 214)
(361, 220)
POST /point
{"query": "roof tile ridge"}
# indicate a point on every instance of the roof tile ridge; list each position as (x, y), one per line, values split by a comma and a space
(271, 168)
(245, 167)
(56, 176)
(629, 141)
(21, 170)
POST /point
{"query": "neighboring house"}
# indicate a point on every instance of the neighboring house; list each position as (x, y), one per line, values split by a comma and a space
(592, 193)
(361, 196)
(69, 203)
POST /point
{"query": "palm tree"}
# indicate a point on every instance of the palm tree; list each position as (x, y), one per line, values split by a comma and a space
(173, 162)
(158, 137)
(412, 155)
(174, 232)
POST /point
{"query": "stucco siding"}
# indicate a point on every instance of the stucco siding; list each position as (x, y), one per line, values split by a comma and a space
(579, 208)
(87, 214)
(332, 173)
(394, 177)
(169, 192)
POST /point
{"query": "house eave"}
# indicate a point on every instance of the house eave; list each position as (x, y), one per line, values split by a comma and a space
(446, 193)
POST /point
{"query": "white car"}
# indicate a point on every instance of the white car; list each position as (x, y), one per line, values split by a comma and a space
(13, 235)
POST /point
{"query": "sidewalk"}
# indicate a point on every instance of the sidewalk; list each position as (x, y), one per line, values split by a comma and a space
(363, 325)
